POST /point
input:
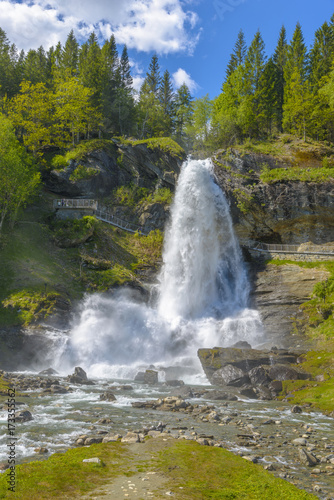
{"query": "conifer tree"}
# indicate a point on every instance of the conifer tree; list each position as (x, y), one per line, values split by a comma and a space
(183, 107)
(124, 100)
(279, 59)
(70, 54)
(153, 76)
(110, 81)
(238, 55)
(166, 97)
(321, 54)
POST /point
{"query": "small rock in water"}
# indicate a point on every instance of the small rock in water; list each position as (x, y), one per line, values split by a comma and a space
(42, 449)
(23, 416)
(296, 409)
(307, 458)
(49, 371)
(107, 396)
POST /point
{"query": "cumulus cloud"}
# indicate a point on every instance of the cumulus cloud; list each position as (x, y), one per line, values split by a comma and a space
(160, 25)
(181, 76)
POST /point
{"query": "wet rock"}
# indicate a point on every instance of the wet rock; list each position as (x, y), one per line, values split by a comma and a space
(125, 387)
(259, 376)
(104, 421)
(58, 389)
(174, 383)
(282, 372)
(93, 440)
(107, 396)
(263, 393)
(48, 371)
(251, 458)
(151, 377)
(79, 377)
(41, 449)
(145, 404)
(183, 392)
(307, 458)
(296, 409)
(275, 386)
(23, 416)
(248, 392)
(227, 375)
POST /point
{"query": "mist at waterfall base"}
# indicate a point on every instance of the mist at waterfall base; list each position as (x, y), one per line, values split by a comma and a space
(201, 299)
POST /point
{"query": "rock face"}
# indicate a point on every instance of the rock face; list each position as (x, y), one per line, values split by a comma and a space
(115, 165)
(254, 372)
(278, 291)
(287, 211)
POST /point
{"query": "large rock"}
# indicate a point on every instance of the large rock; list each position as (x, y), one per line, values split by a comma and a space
(116, 164)
(79, 377)
(229, 374)
(243, 359)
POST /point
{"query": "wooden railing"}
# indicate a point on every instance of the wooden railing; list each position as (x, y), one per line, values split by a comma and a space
(103, 214)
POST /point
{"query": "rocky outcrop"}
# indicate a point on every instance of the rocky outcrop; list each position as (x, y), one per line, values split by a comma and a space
(116, 164)
(286, 211)
(252, 371)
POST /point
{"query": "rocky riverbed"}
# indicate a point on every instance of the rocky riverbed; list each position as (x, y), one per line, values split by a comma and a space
(55, 413)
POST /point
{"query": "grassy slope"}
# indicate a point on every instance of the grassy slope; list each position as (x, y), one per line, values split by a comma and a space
(202, 472)
(34, 271)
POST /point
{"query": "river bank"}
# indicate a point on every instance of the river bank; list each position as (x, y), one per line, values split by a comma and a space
(294, 444)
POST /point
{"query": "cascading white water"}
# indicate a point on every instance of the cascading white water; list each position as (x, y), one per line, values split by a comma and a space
(202, 299)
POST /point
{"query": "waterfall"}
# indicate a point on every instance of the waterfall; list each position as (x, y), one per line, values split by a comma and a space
(202, 296)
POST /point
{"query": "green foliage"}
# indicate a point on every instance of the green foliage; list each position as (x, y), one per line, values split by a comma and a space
(31, 306)
(161, 195)
(129, 195)
(75, 230)
(165, 144)
(244, 200)
(19, 177)
(83, 173)
(271, 176)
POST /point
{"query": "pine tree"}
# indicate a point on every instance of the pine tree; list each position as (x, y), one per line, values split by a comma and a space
(153, 76)
(8, 59)
(297, 93)
(166, 97)
(36, 66)
(70, 54)
(279, 59)
(183, 111)
(321, 54)
(297, 58)
(110, 81)
(238, 55)
(124, 100)
(267, 98)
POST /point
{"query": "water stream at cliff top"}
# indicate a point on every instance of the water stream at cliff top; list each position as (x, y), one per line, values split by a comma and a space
(201, 299)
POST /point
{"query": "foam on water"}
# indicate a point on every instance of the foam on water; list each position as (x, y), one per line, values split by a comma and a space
(202, 298)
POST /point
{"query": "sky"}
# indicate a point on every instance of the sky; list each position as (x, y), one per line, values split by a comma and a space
(193, 39)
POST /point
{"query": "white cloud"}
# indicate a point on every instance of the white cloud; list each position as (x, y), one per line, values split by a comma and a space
(160, 25)
(181, 76)
(137, 82)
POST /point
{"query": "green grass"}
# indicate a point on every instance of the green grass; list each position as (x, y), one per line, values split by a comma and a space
(80, 151)
(270, 176)
(202, 472)
(165, 144)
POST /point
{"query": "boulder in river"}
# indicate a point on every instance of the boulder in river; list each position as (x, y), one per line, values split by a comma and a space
(79, 377)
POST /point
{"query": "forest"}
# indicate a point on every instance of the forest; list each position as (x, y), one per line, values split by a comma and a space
(52, 100)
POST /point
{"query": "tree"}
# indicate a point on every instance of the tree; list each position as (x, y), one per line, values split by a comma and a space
(279, 59)
(9, 82)
(298, 105)
(321, 55)
(183, 111)
(149, 113)
(110, 81)
(31, 114)
(198, 130)
(35, 67)
(166, 98)
(238, 55)
(73, 111)
(267, 97)
(19, 177)
(69, 58)
(153, 78)
(124, 100)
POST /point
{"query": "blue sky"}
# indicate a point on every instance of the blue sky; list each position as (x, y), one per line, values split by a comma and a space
(192, 38)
